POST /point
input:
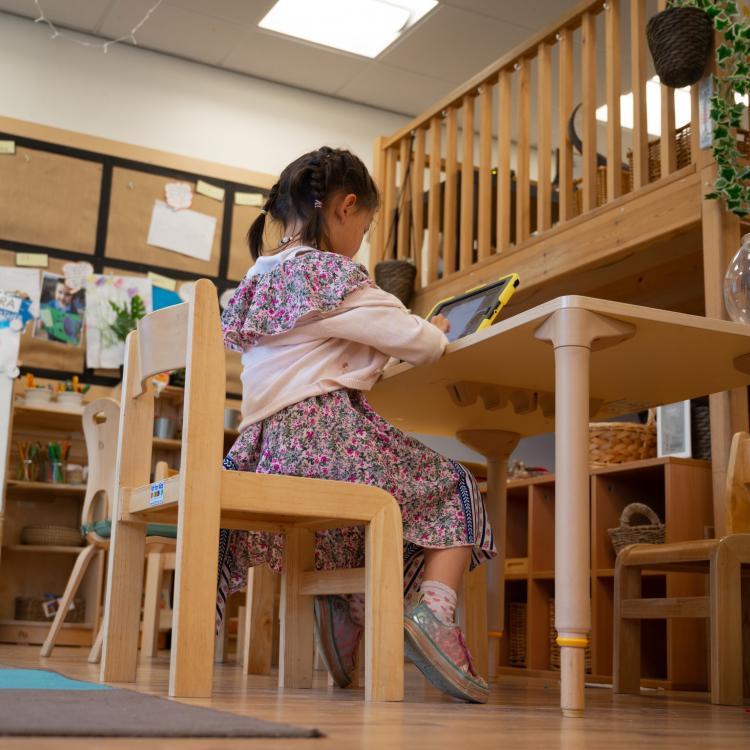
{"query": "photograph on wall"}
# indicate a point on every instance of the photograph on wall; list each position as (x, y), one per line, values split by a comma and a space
(115, 304)
(61, 311)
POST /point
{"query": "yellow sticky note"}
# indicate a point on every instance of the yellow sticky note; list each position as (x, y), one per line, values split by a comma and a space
(7, 147)
(32, 260)
(210, 191)
(249, 199)
(162, 281)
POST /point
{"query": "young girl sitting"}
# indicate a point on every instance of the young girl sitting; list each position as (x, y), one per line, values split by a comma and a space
(315, 333)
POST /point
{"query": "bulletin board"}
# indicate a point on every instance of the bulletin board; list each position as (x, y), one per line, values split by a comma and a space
(73, 203)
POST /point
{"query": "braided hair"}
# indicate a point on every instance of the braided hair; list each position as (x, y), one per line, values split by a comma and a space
(303, 189)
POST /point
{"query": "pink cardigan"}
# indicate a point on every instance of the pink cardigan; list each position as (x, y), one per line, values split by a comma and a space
(325, 350)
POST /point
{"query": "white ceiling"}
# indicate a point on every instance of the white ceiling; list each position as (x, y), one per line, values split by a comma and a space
(456, 40)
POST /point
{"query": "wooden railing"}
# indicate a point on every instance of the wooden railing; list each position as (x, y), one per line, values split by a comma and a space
(466, 180)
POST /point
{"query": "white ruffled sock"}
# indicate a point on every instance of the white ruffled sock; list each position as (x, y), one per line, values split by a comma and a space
(441, 599)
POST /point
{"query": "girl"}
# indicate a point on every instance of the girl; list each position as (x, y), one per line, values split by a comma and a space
(315, 333)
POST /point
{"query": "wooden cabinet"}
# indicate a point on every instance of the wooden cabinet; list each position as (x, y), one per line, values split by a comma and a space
(679, 490)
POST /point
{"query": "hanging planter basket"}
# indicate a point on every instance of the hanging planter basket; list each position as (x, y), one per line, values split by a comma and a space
(397, 277)
(680, 40)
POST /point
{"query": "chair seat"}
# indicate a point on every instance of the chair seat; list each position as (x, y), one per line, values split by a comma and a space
(104, 529)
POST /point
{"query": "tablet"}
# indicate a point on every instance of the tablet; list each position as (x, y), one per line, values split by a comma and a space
(476, 309)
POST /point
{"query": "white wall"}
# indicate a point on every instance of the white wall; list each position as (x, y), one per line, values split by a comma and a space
(162, 102)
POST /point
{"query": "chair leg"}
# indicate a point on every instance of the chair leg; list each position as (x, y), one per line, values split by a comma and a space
(257, 642)
(626, 669)
(473, 618)
(95, 655)
(122, 608)
(76, 576)
(384, 606)
(296, 613)
(726, 627)
(151, 608)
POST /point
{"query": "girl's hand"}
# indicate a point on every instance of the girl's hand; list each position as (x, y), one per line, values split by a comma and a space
(441, 322)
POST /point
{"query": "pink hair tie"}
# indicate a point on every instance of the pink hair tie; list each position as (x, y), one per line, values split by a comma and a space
(317, 204)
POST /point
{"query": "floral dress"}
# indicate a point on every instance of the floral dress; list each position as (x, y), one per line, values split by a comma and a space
(339, 436)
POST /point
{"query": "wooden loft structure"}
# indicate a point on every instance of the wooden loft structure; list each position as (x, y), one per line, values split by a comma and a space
(469, 196)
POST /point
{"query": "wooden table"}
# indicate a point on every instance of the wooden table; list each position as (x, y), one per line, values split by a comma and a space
(494, 386)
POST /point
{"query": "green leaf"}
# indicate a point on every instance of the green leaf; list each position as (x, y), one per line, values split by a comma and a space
(731, 9)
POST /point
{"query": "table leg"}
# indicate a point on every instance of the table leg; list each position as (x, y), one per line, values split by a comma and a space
(496, 446)
(572, 332)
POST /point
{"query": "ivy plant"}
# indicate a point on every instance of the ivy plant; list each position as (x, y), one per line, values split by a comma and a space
(732, 179)
(126, 316)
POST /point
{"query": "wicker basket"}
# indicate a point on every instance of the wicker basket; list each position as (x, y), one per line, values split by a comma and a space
(625, 534)
(700, 428)
(620, 442)
(517, 633)
(397, 277)
(601, 187)
(554, 649)
(51, 536)
(680, 40)
(30, 608)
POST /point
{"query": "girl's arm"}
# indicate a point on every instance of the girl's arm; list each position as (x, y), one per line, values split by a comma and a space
(373, 317)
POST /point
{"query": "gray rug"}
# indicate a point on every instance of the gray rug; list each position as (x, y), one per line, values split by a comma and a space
(39, 703)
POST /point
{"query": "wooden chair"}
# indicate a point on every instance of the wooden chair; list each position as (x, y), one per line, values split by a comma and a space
(204, 497)
(100, 427)
(722, 560)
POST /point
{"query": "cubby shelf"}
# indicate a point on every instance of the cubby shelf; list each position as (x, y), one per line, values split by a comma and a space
(53, 488)
(679, 490)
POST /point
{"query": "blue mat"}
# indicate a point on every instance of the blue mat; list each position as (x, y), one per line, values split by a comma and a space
(40, 679)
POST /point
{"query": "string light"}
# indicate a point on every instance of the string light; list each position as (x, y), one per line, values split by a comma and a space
(103, 45)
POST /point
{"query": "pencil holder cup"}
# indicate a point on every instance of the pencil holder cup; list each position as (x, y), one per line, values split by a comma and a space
(69, 399)
(28, 470)
(55, 472)
(37, 396)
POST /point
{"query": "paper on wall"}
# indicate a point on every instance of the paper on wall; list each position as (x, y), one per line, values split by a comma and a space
(10, 342)
(186, 232)
(24, 281)
(102, 347)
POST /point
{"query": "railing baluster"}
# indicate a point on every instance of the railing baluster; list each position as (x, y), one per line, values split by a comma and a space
(449, 206)
(567, 205)
(544, 138)
(417, 200)
(389, 203)
(588, 64)
(504, 120)
(377, 237)
(523, 198)
(667, 145)
(484, 215)
(466, 230)
(695, 123)
(433, 207)
(614, 133)
(404, 207)
(638, 84)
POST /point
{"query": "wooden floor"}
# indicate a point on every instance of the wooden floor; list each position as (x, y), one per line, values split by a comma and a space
(523, 713)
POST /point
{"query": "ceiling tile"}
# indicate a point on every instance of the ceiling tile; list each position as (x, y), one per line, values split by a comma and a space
(236, 11)
(74, 14)
(450, 44)
(397, 90)
(278, 58)
(534, 15)
(176, 31)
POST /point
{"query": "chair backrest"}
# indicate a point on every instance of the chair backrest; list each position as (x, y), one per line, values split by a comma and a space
(101, 419)
(186, 335)
(737, 500)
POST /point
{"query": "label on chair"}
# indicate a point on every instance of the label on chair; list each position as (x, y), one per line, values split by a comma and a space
(157, 493)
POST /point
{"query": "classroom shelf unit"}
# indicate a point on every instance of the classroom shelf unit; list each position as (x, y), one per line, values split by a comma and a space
(674, 654)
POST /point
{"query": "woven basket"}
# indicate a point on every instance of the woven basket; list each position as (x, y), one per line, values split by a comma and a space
(680, 40)
(700, 428)
(554, 649)
(625, 534)
(601, 187)
(30, 608)
(397, 277)
(517, 633)
(620, 442)
(52, 536)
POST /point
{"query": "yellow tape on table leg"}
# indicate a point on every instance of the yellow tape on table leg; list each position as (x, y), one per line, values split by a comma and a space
(572, 642)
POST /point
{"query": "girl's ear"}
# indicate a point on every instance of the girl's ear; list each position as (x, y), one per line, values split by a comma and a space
(346, 207)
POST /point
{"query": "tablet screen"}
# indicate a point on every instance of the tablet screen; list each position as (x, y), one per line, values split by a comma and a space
(466, 313)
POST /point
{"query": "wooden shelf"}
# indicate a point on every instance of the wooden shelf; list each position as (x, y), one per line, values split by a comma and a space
(50, 548)
(46, 487)
(48, 418)
(46, 624)
(167, 444)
